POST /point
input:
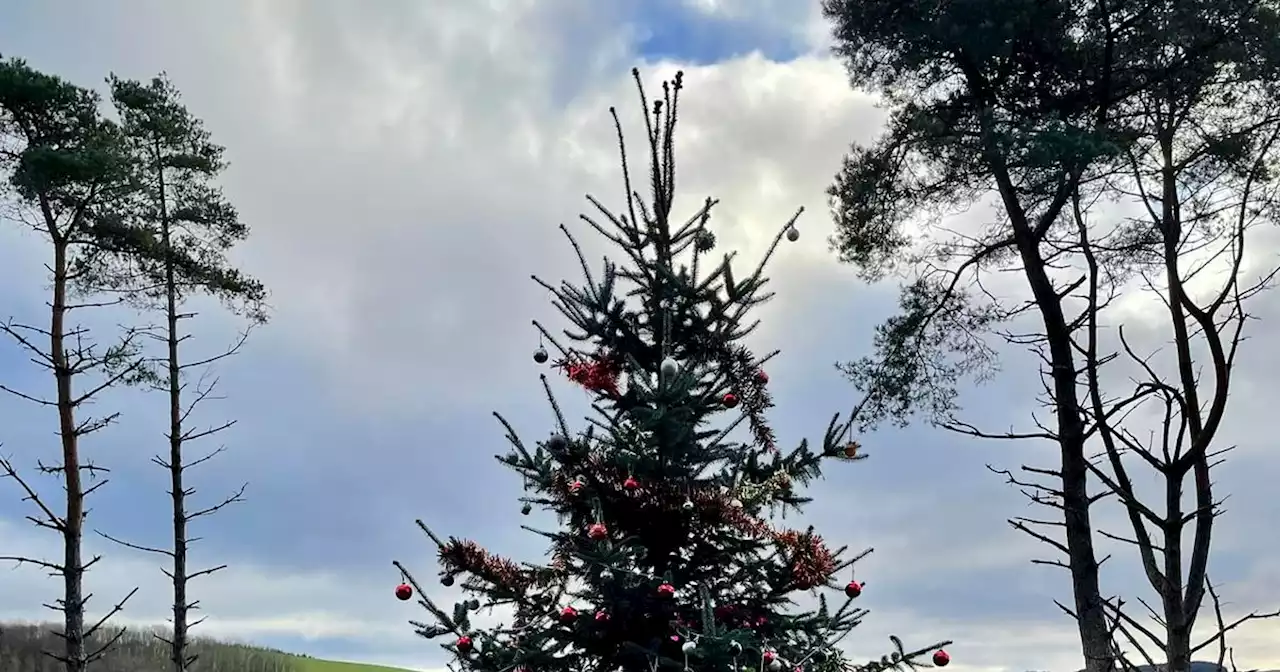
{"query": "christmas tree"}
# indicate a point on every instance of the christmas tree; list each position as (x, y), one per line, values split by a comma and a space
(668, 553)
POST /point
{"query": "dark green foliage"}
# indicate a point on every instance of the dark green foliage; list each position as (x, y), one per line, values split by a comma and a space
(179, 219)
(689, 550)
(1055, 107)
(1032, 101)
(66, 162)
(934, 341)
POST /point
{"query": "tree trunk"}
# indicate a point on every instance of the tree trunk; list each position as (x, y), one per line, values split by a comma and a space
(1090, 612)
(1091, 615)
(73, 530)
(179, 644)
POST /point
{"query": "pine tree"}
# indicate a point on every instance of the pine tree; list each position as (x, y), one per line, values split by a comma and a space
(186, 227)
(669, 553)
(70, 178)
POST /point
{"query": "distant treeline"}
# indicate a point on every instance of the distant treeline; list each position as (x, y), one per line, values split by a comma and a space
(22, 647)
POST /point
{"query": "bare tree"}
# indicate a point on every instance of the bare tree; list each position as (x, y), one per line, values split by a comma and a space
(70, 173)
(1058, 109)
(182, 217)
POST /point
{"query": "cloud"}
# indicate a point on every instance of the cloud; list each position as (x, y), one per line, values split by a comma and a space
(404, 169)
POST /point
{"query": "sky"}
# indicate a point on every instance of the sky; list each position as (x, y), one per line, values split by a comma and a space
(404, 166)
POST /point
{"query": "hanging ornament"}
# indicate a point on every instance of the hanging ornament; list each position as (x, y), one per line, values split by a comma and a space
(631, 483)
(688, 505)
(404, 591)
(820, 656)
(688, 648)
(666, 590)
(941, 658)
(557, 443)
(775, 665)
(597, 531)
(540, 355)
(568, 614)
(762, 377)
(526, 509)
(730, 400)
(602, 616)
(793, 234)
(473, 604)
(669, 368)
(736, 503)
(769, 656)
(705, 241)
(853, 589)
(575, 487)
(735, 647)
(446, 581)
(465, 645)
(606, 575)
(851, 449)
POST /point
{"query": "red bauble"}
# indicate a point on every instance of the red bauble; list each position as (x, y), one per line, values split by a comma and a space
(464, 644)
(730, 400)
(602, 616)
(568, 614)
(631, 483)
(770, 656)
(574, 487)
(666, 590)
(941, 658)
(762, 377)
(404, 591)
(854, 589)
(597, 531)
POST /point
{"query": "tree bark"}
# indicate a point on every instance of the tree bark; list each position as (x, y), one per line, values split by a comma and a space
(73, 524)
(178, 646)
(1090, 611)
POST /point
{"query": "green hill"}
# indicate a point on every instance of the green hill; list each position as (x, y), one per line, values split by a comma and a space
(22, 647)
(313, 665)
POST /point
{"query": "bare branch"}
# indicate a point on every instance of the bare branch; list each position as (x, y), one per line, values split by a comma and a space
(232, 499)
(136, 547)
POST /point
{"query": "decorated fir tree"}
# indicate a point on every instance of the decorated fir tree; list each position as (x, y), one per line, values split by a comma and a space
(668, 553)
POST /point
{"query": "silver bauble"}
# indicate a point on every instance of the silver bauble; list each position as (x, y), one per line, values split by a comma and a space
(669, 368)
(688, 648)
(687, 506)
(793, 234)
(775, 665)
(606, 575)
(737, 503)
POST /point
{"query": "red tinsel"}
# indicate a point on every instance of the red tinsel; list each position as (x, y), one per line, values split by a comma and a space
(467, 556)
(812, 563)
(750, 390)
(599, 375)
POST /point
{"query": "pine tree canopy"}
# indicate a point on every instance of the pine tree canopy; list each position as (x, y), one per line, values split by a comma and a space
(669, 552)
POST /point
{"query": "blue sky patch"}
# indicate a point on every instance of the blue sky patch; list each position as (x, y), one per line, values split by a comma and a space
(674, 30)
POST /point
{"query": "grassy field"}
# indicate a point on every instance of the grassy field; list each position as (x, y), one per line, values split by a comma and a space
(313, 665)
(23, 647)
